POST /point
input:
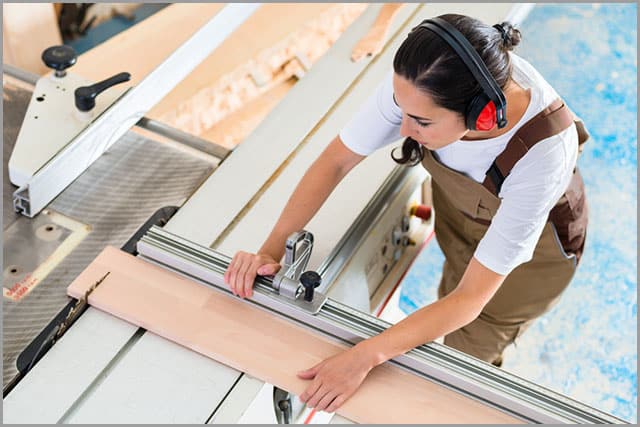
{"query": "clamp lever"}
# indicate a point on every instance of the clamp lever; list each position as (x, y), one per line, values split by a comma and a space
(297, 254)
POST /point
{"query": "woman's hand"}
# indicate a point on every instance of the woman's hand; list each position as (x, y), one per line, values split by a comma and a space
(335, 379)
(243, 269)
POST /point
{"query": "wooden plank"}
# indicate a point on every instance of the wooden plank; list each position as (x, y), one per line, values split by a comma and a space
(27, 30)
(234, 128)
(371, 44)
(222, 82)
(254, 341)
(140, 49)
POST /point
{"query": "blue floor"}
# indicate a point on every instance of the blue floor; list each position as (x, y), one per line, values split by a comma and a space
(113, 26)
(586, 346)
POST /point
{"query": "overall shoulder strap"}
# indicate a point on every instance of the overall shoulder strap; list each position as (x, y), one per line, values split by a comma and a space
(550, 121)
(583, 133)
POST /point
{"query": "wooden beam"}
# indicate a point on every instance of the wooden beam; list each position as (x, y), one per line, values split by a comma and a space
(267, 44)
(226, 81)
(147, 44)
(371, 44)
(234, 128)
(254, 341)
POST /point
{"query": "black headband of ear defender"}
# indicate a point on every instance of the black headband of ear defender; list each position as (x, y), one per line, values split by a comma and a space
(474, 63)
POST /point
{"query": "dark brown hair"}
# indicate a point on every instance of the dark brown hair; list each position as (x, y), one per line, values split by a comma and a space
(432, 66)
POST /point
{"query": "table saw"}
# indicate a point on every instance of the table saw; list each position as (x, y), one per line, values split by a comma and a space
(188, 206)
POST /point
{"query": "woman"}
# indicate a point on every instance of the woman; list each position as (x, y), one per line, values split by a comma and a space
(510, 209)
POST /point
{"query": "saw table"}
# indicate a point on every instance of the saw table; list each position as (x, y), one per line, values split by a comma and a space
(104, 369)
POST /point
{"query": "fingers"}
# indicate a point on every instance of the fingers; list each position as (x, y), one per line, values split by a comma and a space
(268, 269)
(333, 380)
(325, 402)
(239, 272)
(242, 271)
(318, 396)
(249, 278)
(337, 402)
(310, 373)
(322, 397)
(227, 272)
(232, 271)
(310, 391)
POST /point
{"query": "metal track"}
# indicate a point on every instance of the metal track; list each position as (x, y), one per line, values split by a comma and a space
(453, 369)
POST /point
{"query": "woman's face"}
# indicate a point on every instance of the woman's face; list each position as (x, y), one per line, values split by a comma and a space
(431, 126)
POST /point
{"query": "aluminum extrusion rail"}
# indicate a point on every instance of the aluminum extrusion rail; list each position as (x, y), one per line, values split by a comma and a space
(448, 367)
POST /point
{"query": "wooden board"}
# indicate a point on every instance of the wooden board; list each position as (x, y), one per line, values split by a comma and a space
(246, 338)
(222, 83)
(27, 30)
(141, 48)
(235, 127)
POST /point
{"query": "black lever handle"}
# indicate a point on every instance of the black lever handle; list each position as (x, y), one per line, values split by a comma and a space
(310, 280)
(86, 95)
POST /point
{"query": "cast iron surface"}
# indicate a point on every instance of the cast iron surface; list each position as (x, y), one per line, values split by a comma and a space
(115, 196)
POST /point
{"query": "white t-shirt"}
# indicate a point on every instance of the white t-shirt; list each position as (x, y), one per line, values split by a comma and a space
(528, 193)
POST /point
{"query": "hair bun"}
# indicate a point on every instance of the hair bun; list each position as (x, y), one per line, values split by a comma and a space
(510, 35)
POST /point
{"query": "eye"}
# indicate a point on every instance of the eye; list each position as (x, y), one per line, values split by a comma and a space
(422, 124)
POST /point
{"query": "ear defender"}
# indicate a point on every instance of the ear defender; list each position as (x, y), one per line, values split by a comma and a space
(488, 108)
(481, 114)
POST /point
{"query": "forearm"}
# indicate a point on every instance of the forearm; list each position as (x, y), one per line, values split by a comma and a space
(457, 309)
(309, 195)
(306, 200)
(425, 325)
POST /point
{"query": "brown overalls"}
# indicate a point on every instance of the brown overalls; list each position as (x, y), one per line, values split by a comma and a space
(463, 211)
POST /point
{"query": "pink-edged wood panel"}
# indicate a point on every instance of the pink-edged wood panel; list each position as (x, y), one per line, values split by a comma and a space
(254, 341)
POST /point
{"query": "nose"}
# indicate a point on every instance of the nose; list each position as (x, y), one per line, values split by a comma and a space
(406, 130)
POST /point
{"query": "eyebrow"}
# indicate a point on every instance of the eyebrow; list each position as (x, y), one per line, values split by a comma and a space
(410, 115)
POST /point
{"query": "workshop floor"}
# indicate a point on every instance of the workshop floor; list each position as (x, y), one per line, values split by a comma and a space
(113, 26)
(586, 346)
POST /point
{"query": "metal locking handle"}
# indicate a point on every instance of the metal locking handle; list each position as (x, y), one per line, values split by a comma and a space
(297, 254)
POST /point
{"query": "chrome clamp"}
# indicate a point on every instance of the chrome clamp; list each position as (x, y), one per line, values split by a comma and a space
(291, 281)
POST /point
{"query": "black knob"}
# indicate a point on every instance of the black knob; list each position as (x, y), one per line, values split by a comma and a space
(59, 58)
(310, 280)
(86, 95)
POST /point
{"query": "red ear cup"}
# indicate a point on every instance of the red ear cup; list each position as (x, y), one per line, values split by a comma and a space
(487, 118)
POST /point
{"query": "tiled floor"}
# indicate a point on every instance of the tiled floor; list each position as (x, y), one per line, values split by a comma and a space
(586, 346)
